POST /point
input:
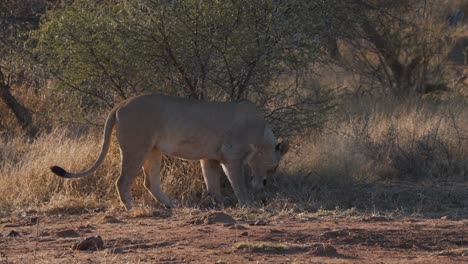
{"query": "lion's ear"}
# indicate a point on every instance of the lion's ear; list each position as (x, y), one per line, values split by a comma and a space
(282, 147)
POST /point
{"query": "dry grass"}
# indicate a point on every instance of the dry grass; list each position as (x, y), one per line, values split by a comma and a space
(382, 155)
(373, 154)
(394, 141)
(385, 155)
(26, 181)
(454, 252)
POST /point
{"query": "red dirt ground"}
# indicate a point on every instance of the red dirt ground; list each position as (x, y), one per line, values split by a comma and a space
(181, 237)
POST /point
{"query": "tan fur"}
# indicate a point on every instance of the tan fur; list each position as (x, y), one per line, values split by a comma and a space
(220, 135)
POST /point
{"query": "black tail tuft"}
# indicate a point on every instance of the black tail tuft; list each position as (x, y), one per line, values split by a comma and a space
(59, 171)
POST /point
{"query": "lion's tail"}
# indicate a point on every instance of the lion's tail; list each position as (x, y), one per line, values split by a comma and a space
(110, 123)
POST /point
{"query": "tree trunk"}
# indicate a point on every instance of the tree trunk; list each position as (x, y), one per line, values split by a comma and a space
(22, 114)
(401, 82)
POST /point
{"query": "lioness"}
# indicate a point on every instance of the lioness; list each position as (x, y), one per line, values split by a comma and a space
(223, 136)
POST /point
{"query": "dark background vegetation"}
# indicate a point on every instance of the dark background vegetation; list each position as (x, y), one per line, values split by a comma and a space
(372, 93)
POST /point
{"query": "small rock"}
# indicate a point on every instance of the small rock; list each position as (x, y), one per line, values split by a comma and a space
(219, 217)
(325, 250)
(259, 222)
(44, 233)
(89, 243)
(46, 239)
(13, 233)
(67, 233)
(335, 234)
(238, 227)
(33, 220)
(84, 229)
(12, 225)
(88, 226)
(196, 221)
(167, 259)
(162, 213)
(244, 233)
(276, 231)
(111, 220)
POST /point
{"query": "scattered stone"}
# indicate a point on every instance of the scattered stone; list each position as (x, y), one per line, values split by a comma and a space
(13, 233)
(196, 221)
(89, 243)
(162, 213)
(44, 233)
(88, 226)
(12, 225)
(67, 233)
(244, 233)
(212, 218)
(218, 218)
(167, 259)
(111, 220)
(33, 220)
(326, 250)
(238, 227)
(276, 231)
(259, 222)
(335, 234)
(47, 239)
(86, 229)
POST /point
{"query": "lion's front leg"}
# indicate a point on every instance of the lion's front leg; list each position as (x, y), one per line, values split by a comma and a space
(233, 171)
(212, 173)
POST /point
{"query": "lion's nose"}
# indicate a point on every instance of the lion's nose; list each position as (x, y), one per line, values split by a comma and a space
(264, 182)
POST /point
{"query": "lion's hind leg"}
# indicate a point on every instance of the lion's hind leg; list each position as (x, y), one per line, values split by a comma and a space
(151, 169)
(130, 168)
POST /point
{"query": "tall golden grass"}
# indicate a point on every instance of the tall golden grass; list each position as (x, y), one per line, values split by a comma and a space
(418, 143)
(26, 181)
(384, 139)
(385, 155)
